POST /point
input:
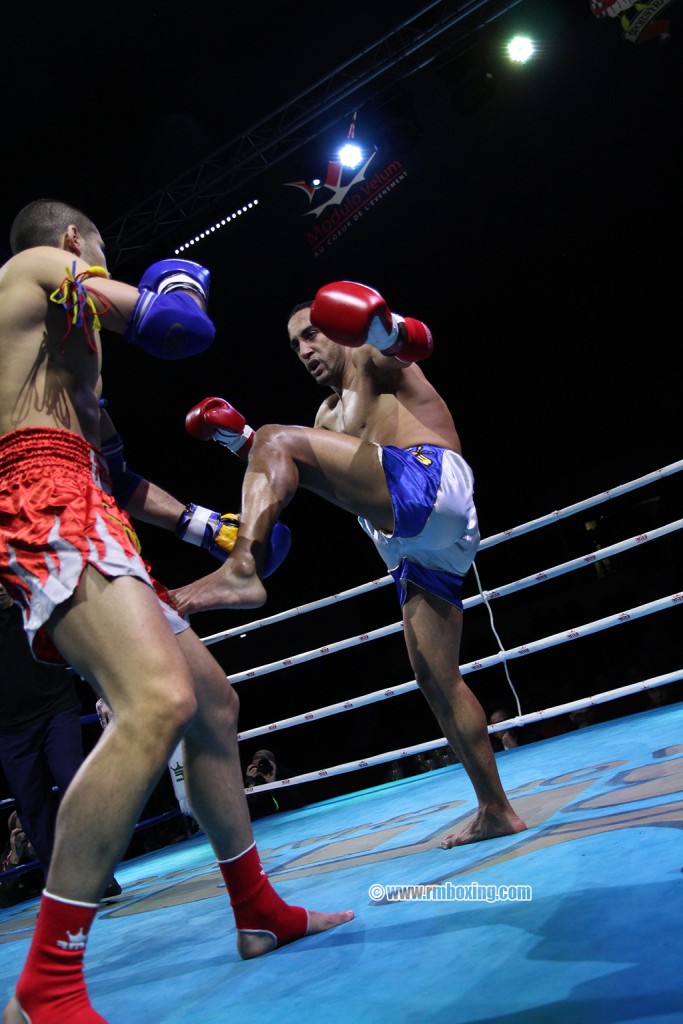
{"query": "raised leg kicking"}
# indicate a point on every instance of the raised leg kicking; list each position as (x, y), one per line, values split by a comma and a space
(384, 449)
(347, 472)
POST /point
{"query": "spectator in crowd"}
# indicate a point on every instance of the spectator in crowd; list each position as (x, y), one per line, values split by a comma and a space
(15, 887)
(508, 739)
(262, 769)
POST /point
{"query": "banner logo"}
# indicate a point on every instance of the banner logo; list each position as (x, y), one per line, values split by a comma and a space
(337, 203)
(639, 21)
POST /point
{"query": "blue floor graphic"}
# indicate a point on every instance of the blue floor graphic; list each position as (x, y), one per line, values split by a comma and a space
(576, 920)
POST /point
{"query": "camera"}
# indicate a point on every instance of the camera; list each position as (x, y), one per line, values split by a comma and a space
(264, 766)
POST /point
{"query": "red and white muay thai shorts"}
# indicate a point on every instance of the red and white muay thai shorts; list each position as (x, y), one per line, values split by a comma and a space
(57, 517)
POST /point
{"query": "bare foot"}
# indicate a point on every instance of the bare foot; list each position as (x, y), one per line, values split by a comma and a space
(485, 825)
(252, 944)
(223, 588)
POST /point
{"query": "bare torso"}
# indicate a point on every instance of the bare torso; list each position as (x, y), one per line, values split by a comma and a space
(388, 403)
(47, 380)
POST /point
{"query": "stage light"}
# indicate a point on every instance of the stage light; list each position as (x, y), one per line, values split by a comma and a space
(350, 154)
(520, 49)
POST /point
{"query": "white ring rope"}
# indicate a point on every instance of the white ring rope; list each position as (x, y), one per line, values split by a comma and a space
(419, 748)
(502, 656)
(319, 652)
(534, 646)
(534, 524)
(576, 563)
(312, 606)
(484, 596)
(580, 506)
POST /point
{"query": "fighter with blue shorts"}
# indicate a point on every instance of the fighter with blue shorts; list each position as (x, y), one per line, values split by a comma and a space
(416, 503)
(436, 534)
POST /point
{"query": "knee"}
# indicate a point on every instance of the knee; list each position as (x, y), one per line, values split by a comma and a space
(440, 692)
(217, 715)
(180, 707)
(428, 686)
(273, 438)
(165, 714)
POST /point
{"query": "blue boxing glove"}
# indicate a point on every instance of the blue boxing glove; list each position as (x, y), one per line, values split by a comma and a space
(217, 534)
(171, 275)
(166, 321)
(209, 530)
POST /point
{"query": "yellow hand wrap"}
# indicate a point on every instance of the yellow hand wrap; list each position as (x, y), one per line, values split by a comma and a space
(227, 535)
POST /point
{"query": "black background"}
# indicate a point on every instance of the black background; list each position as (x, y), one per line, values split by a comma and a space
(537, 232)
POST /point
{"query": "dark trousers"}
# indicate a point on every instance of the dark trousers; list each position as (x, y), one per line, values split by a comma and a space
(35, 760)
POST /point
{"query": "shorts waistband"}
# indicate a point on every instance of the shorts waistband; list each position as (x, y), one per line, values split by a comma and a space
(44, 445)
(424, 445)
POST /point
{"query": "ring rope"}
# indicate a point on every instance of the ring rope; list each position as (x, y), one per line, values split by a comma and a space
(580, 506)
(603, 553)
(419, 748)
(502, 655)
(312, 606)
(299, 659)
(482, 597)
(534, 524)
(618, 619)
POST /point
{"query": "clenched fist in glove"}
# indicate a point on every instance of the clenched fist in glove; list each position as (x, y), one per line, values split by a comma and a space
(353, 315)
(217, 534)
(215, 419)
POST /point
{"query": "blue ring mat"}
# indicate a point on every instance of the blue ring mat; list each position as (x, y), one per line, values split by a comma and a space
(597, 942)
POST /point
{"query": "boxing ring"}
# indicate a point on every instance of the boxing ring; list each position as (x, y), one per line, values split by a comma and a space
(576, 920)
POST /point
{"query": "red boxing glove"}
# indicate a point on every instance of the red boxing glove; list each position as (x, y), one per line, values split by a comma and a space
(352, 314)
(415, 341)
(344, 311)
(215, 419)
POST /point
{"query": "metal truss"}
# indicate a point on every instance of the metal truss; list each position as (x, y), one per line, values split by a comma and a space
(413, 45)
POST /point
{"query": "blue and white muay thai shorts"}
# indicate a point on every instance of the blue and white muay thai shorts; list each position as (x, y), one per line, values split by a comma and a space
(436, 533)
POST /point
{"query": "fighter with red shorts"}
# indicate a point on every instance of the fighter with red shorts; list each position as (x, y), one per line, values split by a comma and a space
(69, 557)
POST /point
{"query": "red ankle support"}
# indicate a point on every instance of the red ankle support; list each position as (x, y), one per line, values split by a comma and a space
(51, 988)
(256, 905)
